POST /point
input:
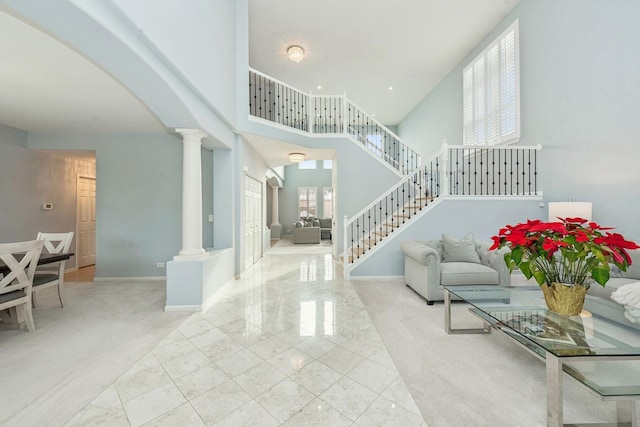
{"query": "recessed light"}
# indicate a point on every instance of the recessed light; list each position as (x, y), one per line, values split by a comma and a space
(390, 87)
(319, 87)
(373, 115)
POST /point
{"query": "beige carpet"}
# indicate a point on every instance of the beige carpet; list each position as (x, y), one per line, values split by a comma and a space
(466, 380)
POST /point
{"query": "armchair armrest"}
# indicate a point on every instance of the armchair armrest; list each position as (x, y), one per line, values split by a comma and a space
(420, 252)
(495, 260)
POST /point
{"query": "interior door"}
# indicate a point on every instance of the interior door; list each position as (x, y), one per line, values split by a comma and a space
(86, 222)
(253, 221)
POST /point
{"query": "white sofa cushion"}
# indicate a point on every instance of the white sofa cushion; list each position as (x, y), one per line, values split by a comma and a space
(459, 250)
(628, 295)
(465, 273)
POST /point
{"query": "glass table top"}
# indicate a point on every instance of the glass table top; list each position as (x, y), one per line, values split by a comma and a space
(592, 346)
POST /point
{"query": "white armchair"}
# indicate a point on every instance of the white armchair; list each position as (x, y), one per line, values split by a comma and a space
(428, 266)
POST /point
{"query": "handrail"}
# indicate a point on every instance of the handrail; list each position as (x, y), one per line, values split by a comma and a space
(278, 102)
(456, 170)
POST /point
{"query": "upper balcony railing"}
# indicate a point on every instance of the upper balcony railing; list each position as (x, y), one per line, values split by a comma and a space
(277, 102)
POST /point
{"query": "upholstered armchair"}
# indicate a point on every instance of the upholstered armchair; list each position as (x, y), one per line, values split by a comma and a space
(429, 264)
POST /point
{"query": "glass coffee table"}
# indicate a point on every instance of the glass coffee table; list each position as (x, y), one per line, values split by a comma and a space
(599, 336)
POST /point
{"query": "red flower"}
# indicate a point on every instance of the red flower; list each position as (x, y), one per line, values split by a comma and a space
(517, 238)
(496, 242)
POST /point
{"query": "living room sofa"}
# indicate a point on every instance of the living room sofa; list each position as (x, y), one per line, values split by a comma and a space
(429, 264)
(304, 232)
(598, 300)
(325, 228)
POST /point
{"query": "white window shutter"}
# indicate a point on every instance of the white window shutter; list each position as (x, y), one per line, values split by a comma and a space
(491, 97)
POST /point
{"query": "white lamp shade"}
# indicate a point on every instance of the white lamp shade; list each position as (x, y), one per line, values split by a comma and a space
(570, 210)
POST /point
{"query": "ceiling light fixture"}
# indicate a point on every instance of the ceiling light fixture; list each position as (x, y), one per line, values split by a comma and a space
(296, 157)
(295, 53)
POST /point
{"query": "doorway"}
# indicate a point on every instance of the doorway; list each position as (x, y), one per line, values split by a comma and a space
(252, 221)
(86, 222)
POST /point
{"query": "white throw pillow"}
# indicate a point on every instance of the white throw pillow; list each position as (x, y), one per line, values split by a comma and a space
(628, 294)
(459, 250)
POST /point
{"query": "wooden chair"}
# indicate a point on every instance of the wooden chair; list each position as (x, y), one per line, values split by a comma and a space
(15, 286)
(52, 274)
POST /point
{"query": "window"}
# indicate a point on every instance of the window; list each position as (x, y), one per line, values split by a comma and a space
(327, 164)
(307, 197)
(327, 206)
(308, 164)
(491, 93)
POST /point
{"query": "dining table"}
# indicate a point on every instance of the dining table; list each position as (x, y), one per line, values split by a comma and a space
(44, 259)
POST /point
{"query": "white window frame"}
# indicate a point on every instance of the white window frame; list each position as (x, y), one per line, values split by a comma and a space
(308, 164)
(491, 93)
(327, 191)
(308, 199)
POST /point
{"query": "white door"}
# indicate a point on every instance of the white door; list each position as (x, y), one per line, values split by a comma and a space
(86, 234)
(252, 221)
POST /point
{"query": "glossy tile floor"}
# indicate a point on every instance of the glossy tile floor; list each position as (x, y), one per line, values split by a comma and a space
(288, 344)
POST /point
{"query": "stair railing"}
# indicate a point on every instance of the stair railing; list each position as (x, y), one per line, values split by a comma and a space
(277, 102)
(455, 170)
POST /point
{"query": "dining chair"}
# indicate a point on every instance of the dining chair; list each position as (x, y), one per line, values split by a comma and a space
(52, 274)
(15, 286)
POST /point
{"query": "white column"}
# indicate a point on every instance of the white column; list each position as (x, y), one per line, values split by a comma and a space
(191, 194)
(274, 207)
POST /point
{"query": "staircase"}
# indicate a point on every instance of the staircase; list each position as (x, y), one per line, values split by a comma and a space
(454, 171)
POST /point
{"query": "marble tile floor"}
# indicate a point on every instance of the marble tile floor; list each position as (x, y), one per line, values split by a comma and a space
(288, 344)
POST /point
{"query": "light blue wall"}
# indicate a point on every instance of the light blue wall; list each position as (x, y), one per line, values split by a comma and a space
(30, 178)
(580, 99)
(138, 198)
(288, 195)
(198, 38)
(207, 197)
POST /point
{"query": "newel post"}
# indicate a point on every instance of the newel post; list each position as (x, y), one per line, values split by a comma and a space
(445, 172)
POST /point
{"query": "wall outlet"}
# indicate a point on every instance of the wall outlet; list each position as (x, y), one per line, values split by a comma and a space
(211, 218)
(160, 264)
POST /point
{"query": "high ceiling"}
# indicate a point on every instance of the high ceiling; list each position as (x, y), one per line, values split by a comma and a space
(45, 86)
(364, 47)
(359, 46)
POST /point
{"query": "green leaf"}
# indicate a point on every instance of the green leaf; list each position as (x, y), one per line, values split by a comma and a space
(600, 275)
(540, 277)
(525, 267)
(516, 255)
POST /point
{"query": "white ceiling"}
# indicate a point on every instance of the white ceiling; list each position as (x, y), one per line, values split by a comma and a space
(47, 87)
(361, 47)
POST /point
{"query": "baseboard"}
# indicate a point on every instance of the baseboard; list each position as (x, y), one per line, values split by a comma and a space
(139, 279)
(374, 278)
(214, 298)
(192, 308)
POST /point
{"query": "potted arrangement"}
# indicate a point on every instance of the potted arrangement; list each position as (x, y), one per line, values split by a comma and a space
(564, 257)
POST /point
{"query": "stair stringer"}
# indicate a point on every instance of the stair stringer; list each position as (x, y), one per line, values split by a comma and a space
(482, 216)
(372, 250)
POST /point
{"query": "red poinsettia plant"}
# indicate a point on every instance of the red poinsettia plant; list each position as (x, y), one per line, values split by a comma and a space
(569, 251)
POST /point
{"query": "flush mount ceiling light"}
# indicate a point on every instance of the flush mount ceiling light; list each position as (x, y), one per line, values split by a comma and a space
(296, 157)
(295, 53)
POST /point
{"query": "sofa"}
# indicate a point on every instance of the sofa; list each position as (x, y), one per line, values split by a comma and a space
(325, 228)
(429, 264)
(598, 300)
(306, 232)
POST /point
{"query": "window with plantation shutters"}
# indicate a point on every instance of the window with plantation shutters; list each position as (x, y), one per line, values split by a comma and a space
(491, 93)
